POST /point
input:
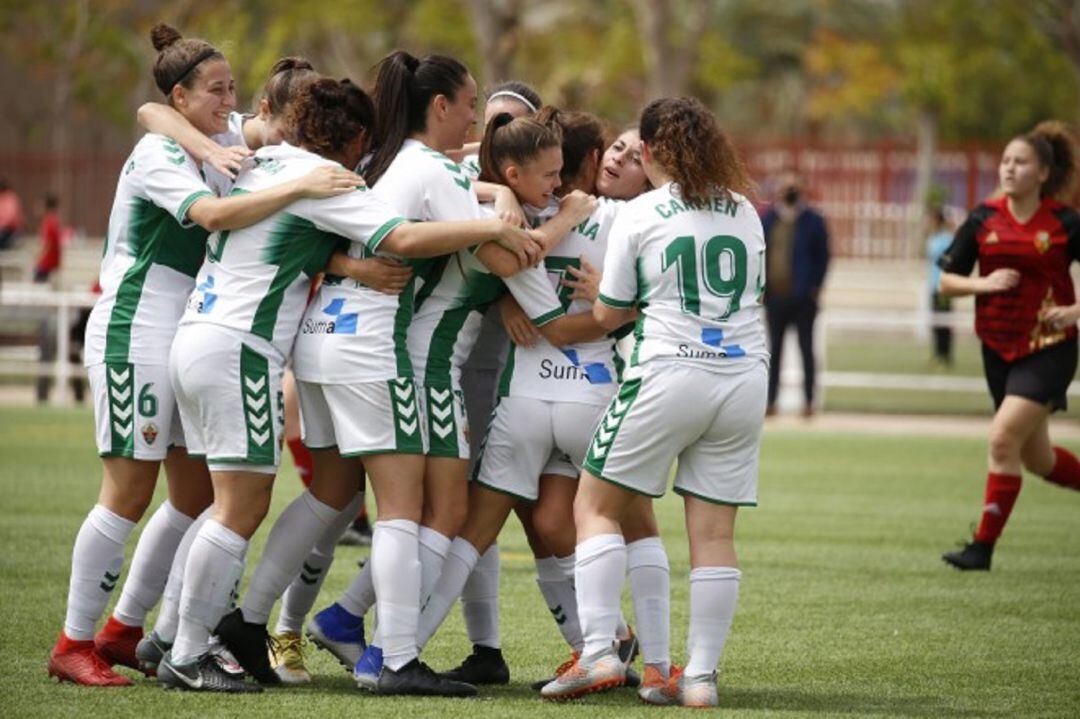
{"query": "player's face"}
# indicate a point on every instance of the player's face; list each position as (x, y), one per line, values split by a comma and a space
(504, 104)
(207, 104)
(536, 180)
(1020, 171)
(621, 175)
(460, 114)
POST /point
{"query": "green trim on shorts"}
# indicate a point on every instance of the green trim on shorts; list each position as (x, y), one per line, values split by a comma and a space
(239, 460)
(258, 407)
(506, 492)
(317, 449)
(120, 402)
(125, 454)
(405, 405)
(607, 429)
(710, 500)
(446, 444)
(620, 485)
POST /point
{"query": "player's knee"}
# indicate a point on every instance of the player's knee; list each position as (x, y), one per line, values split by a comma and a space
(1004, 446)
(553, 525)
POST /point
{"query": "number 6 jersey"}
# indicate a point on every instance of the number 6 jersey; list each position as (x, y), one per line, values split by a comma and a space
(696, 273)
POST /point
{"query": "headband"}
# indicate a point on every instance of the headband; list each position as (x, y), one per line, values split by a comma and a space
(509, 93)
(205, 54)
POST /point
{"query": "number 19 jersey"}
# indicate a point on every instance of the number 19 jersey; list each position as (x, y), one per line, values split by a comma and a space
(696, 273)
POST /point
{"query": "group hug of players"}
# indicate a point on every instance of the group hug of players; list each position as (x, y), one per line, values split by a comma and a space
(567, 239)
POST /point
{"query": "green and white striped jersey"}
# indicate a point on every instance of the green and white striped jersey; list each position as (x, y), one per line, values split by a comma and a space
(471, 165)
(423, 184)
(585, 372)
(152, 253)
(256, 279)
(696, 273)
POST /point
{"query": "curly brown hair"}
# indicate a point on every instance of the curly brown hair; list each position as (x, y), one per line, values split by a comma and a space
(687, 142)
(284, 80)
(1055, 145)
(178, 58)
(326, 115)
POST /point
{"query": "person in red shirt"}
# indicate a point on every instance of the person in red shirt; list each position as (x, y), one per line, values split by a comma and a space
(1025, 315)
(11, 215)
(51, 232)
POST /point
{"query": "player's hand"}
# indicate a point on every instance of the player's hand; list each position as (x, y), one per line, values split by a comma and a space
(507, 207)
(1061, 317)
(328, 181)
(521, 330)
(522, 243)
(579, 205)
(227, 160)
(585, 281)
(1001, 280)
(382, 274)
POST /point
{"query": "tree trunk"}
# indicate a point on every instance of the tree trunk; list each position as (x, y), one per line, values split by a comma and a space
(669, 61)
(496, 25)
(63, 178)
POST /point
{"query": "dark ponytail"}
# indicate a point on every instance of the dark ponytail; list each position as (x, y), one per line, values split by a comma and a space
(517, 141)
(404, 87)
(178, 58)
(1055, 146)
(326, 115)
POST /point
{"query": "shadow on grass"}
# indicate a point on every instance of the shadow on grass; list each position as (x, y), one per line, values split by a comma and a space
(800, 700)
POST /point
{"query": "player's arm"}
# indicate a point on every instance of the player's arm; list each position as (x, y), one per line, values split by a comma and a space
(560, 331)
(382, 274)
(618, 293)
(431, 239)
(506, 203)
(164, 120)
(574, 209)
(241, 210)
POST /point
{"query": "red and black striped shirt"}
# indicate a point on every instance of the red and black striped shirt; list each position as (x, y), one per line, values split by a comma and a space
(1041, 250)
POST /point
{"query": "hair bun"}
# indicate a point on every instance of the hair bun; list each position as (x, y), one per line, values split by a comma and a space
(328, 92)
(501, 120)
(291, 63)
(163, 36)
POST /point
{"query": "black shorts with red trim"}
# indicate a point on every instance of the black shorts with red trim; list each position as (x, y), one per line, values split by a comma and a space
(1042, 376)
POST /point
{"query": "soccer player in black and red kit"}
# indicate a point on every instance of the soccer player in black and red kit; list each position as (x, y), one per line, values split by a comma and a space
(1025, 315)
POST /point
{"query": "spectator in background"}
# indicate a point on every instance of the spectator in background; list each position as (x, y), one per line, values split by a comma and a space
(940, 237)
(11, 215)
(797, 256)
(50, 233)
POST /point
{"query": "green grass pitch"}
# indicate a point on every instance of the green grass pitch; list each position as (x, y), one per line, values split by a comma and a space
(845, 608)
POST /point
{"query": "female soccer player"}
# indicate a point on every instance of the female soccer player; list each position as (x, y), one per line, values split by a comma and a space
(425, 107)
(227, 362)
(689, 256)
(1025, 316)
(152, 254)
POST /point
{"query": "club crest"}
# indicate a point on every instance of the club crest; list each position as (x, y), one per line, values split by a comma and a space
(1042, 241)
(149, 432)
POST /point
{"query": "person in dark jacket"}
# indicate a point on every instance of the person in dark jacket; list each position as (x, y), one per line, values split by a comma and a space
(797, 256)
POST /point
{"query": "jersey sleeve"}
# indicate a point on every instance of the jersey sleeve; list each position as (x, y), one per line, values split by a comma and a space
(449, 194)
(962, 254)
(533, 291)
(359, 216)
(619, 283)
(170, 178)
(234, 135)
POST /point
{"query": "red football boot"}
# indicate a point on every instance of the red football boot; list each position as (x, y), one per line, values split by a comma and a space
(116, 643)
(72, 661)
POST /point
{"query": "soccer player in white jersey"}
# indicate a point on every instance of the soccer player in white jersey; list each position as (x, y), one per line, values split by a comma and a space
(690, 257)
(425, 106)
(226, 366)
(152, 253)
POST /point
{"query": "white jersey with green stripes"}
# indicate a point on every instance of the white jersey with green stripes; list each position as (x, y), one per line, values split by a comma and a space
(696, 274)
(256, 279)
(471, 165)
(152, 253)
(422, 184)
(233, 136)
(585, 372)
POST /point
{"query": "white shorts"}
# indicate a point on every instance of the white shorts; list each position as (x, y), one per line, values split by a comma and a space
(135, 412)
(710, 422)
(447, 422)
(531, 437)
(228, 389)
(381, 417)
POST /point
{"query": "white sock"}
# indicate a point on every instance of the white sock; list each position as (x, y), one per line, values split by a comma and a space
(713, 594)
(557, 587)
(480, 600)
(300, 597)
(96, 560)
(460, 561)
(291, 539)
(150, 565)
(214, 568)
(650, 587)
(168, 619)
(598, 578)
(359, 597)
(433, 549)
(395, 570)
